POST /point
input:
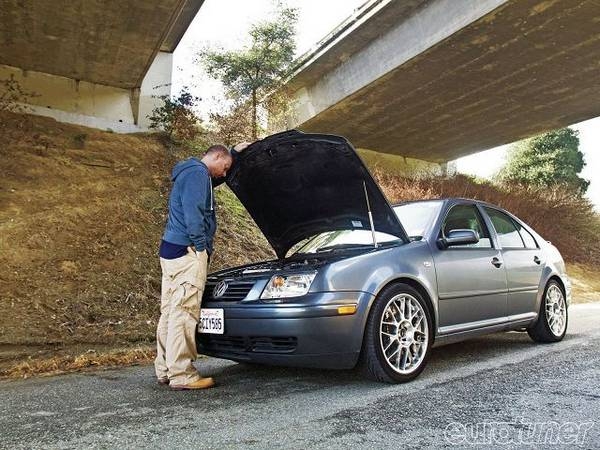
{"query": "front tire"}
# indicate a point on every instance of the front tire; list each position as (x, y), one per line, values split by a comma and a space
(398, 335)
(553, 317)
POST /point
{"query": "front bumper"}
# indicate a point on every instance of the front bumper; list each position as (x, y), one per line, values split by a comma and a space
(306, 334)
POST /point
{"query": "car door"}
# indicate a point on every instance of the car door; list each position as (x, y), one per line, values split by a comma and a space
(471, 279)
(523, 260)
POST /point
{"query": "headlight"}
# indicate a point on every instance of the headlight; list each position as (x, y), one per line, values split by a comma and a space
(281, 286)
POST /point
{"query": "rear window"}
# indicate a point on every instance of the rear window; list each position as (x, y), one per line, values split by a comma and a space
(527, 237)
(506, 229)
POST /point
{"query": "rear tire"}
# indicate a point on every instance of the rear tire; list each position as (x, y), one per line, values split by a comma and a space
(398, 335)
(553, 316)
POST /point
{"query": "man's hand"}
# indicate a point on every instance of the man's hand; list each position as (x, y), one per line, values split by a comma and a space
(193, 250)
(241, 146)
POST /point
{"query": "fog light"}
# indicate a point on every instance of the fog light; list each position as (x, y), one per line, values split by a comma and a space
(348, 309)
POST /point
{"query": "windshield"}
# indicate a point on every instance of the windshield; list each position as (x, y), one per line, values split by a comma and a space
(342, 239)
(416, 217)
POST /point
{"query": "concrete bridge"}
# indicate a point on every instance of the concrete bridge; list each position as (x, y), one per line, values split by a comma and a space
(93, 62)
(439, 79)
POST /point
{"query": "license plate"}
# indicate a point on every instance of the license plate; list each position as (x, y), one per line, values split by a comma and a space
(212, 321)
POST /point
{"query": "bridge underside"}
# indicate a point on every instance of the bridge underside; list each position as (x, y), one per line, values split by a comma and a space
(527, 67)
(109, 42)
(96, 63)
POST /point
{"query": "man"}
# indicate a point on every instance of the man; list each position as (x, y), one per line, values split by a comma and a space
(184, 252)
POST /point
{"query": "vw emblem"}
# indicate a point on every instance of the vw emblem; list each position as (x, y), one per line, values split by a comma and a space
(220, 289)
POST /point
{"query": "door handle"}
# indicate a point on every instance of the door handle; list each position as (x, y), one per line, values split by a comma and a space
(496, 262)
(536, 259)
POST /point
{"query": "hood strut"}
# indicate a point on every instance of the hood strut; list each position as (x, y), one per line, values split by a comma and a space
(370, 215)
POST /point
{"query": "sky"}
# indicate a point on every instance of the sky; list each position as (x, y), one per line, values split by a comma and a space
(225, 23)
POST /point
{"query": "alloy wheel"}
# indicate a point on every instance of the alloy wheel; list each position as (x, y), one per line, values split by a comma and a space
(403, 334)
(556, 310)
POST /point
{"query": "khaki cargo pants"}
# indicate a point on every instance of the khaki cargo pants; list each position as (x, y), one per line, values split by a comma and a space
(183, 282)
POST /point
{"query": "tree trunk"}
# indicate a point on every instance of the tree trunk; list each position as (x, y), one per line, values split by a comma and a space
(254, 124)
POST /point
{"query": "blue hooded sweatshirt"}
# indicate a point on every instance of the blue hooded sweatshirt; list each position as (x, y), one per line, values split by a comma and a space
(192, 219)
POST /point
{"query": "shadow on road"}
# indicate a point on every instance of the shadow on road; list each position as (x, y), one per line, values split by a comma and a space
(441, 359)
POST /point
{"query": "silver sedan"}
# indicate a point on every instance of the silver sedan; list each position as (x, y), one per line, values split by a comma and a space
(359, 282)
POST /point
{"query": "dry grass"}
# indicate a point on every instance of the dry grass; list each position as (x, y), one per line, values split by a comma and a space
(585, 282)
(238, 240)
(80, 225)
(79, 229)
(76, 363)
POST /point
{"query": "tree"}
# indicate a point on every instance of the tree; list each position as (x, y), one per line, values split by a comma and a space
(176, 117)
(549, 159)
(231, 128)
(253, 72)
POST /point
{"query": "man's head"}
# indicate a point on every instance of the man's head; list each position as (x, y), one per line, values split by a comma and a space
(218, 160)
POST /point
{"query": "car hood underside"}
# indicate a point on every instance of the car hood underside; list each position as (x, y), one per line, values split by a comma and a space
(297, 185)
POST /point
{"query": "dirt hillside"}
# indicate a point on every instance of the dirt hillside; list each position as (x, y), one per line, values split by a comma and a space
(81, 215)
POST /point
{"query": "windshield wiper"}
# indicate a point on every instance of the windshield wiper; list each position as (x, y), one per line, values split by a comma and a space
(330, 248)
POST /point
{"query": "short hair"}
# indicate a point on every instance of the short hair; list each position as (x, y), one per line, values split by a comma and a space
(218, 149)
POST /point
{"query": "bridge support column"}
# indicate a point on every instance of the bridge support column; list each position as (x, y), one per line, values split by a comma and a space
(448, 169)
(157, 82)
(90, 104)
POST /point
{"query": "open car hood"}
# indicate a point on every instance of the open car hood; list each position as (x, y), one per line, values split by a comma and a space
(297, 185)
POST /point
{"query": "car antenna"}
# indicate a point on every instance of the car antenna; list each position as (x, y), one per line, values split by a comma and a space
(370, 215)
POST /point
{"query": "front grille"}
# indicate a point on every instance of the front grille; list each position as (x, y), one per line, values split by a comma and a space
(273, 344)
(236, 291)
(252, 344)
(222, 343)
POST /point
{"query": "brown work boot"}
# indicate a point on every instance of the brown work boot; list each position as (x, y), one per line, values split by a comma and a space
(202, 383)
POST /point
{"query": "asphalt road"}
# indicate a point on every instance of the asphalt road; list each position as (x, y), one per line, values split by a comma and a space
(498, 391)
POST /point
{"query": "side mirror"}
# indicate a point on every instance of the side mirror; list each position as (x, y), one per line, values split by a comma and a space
(459, 237)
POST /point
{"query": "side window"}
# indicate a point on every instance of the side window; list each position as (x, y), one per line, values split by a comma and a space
(467, 217)
(508, 235)
(527, 237)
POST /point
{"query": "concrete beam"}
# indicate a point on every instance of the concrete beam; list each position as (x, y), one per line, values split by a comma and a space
(180, 25)
(451, 77)
(409, 32)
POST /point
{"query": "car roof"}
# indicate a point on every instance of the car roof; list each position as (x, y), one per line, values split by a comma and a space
(449, 199)
(407, 202)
